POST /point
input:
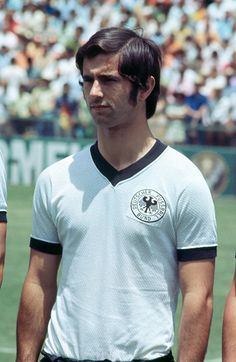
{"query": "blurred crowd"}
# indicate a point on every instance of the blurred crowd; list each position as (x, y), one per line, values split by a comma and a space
(39, 90)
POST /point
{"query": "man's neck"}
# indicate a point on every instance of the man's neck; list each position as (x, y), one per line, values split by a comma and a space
(122, 150)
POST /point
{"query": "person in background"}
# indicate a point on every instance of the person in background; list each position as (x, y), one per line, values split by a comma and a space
(229, 325)
(67, 108)
(3, 216)
(175, 113)
(196, 108)
(130, 220)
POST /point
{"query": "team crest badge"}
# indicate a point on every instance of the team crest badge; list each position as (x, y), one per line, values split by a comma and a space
(148, 205)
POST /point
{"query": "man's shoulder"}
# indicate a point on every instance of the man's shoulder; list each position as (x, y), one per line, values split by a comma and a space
(64, 165)
(180, 163)
(177, 155)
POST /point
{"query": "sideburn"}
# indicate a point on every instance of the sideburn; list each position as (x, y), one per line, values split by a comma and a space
(133, 94)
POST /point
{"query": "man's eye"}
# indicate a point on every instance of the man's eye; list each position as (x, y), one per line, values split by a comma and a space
(87, 80)
(84, 80)
(107, 80)
(102, 80)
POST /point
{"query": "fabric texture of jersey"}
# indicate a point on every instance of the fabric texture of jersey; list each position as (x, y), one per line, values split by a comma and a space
(3, 191)
(121, 235)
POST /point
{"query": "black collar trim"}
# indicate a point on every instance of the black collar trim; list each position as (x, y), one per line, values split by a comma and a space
(115, 176)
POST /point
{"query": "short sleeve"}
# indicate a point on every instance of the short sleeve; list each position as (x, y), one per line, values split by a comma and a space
(44, 235)
(196, 222)
(3, 191)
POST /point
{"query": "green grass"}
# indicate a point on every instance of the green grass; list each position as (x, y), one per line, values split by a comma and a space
(16, 263)
(19, 216)
(225, 264)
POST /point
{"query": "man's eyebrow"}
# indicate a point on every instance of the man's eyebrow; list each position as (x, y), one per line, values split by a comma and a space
(101, 75)
(87, 76)
(109, 76)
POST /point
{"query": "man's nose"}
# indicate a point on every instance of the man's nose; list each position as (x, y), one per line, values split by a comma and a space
(96, 89)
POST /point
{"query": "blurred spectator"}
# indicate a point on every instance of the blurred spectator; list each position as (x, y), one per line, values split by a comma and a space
(4, 112)
(5, 56)
(21, 112)
(196, 109)
(21, 106)
(216, 10)
(42, 107)
(225, 26)
(38, 40)
(66, 110)
(213, 81)
(175, 112)
(180, 77)
(218, 131)
(159, 123)
(13, 75)
(85, 126)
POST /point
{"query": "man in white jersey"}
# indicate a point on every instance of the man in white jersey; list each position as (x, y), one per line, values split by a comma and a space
(229, 325)
(3, 216)
(131, 221)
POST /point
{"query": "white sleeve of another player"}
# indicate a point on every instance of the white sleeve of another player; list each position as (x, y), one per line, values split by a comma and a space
(3, 186)
(43, 226)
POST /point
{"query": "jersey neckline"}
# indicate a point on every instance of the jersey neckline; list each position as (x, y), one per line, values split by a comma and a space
(115, 176)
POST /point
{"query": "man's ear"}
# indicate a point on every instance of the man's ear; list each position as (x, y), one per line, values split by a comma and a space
(145, 92)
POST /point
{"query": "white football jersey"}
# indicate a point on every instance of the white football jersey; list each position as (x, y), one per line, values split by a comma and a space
(121, 235)
(3, 191)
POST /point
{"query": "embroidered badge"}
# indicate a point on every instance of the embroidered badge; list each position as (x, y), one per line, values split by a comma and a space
(148, 205)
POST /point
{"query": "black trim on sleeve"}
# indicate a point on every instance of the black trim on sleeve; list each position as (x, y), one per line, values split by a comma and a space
(3, 216)
(201, 253)
(45, 247)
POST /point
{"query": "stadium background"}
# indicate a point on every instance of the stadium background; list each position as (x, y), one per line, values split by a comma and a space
(43, 116)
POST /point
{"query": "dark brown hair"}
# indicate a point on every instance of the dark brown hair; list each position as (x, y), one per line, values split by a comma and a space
(139, 59)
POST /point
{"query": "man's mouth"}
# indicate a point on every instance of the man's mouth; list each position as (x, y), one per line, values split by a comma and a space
(98, 105)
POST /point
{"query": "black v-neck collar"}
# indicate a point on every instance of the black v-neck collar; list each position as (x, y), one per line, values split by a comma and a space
(115, 176)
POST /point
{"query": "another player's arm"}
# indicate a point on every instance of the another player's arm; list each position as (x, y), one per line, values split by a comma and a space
(3, 232)
(37, 299)
(229, 325)
(196, 283)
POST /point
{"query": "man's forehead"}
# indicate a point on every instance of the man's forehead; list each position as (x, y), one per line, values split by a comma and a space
(101, 63)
